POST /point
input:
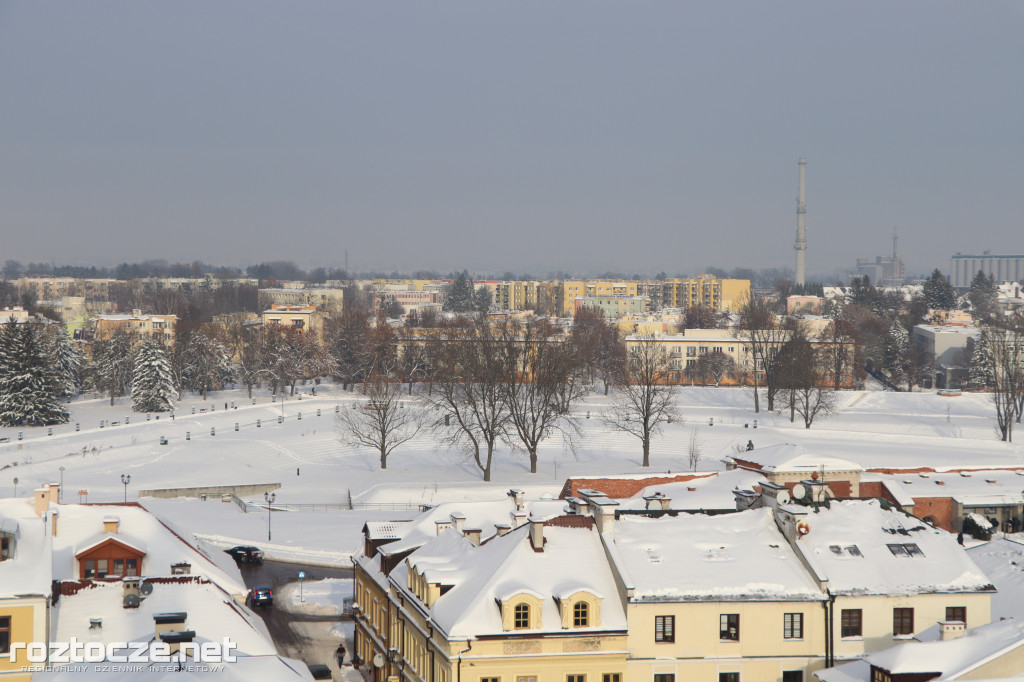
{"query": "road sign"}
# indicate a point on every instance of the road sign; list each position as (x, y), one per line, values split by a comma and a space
(302, 574)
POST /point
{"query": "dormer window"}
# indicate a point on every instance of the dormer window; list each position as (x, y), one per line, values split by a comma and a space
(5, 548)
(521, 617)
(581, 614)
(579, 609)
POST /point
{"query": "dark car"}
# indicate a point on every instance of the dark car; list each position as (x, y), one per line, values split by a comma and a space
(262, 596)
(245, 554)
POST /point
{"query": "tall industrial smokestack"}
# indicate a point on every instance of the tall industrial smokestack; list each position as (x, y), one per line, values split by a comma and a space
(801, 226)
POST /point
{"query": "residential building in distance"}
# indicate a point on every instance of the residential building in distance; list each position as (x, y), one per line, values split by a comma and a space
(884, 271)
(320, 297)
(706, 291)
(614, 307)
(948, 347)
(1002, 268)
(303, 317)
(140, 327)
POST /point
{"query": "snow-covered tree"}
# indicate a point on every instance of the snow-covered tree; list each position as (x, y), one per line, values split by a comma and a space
(896, 346)
(152, 383)
(207, 364)
(66, 360)
(938, 292)
(981, 375)
(29, 391)
(111, 367)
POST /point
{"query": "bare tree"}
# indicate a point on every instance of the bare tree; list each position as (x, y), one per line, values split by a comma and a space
(764, 334)
(693, 451)
(246, 343)
(541, 387)
(597, 346)
(714, 366)
(1004, 347)
(382, 420)
(468, 393)
(644, 399)
(802, 375)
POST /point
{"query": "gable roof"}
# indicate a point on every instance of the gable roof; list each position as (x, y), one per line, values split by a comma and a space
(109, 538)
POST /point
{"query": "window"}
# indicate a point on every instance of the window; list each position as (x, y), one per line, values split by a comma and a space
(728, 677)
(580, 614)
(5, 634)
(903, 621)
(90, 568)
(956, 613)
(521, 617)
(850, 623)
(611, 677)
(490, 679)
(575, 678)
(879, 675)
(526, 678)
(5, 549)
(665, 677)
(691, 351)
(664, 628)
(118, 567)
(729, 627)
(793, 626)
(792, 676)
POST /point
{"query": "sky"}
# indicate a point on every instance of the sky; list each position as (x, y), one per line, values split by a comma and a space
(529, 136)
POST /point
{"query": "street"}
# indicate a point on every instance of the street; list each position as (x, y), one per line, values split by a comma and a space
(311, 639)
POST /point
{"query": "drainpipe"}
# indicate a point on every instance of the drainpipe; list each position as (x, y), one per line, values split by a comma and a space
(458, 676)
(830, 635)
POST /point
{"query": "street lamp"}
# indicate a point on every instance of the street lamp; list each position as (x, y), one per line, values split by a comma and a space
(60, 490)
(125, 480)
(269, 497)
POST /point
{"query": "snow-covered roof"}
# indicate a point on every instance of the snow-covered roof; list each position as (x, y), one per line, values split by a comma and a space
(28, 570)
(479, 515)
(954, 657)
(711, 492)
(572, 560)
(386, 530)
(977, 488)
(81, 526)
(121, 539)
(740, 556)
(1003, 562)
(212, 613)
(790, 458)
(861, 548)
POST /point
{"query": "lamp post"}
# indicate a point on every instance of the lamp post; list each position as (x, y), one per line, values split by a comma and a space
(125, 480)
(269, 497)
(60, 490)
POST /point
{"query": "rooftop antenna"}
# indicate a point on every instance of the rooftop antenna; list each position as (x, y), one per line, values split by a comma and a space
(801, 226)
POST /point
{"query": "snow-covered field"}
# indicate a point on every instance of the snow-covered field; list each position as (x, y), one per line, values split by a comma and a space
(304, 456)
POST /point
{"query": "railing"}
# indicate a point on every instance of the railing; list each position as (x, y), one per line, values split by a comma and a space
(334, 506)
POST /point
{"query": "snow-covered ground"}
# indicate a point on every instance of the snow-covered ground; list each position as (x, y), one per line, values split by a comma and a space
(315, 597)
(305, 457)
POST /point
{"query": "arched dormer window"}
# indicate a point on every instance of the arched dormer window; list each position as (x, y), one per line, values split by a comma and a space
(579, 608)
(520, 610)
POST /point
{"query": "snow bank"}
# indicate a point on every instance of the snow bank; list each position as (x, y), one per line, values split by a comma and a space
(316, 597)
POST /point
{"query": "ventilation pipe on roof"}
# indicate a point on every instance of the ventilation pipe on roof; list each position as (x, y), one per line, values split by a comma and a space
(518, 497)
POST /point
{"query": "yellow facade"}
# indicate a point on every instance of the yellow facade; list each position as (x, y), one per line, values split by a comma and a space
(706, 291)
(28, 624)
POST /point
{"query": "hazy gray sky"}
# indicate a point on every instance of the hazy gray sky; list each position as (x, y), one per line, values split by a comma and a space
(575, 135)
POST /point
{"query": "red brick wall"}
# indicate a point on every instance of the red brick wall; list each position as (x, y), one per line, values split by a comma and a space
(939, 508)
(618, 488)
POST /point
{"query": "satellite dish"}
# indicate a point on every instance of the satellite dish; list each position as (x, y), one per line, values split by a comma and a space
(783, 497)
(378, 661)
(146, 589)
(799, 491)
(131, 601)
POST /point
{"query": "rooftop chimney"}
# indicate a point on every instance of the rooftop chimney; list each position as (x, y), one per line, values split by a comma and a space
(458, 521)
(951, 629)
(537, 535)
(181, 568)
(518, 497)
(169, 622)
(603, 510)
(657, 502)
(746, 499)
(175, 638)
(53, 522)
(442, 526)
(502, 528)
(473, 535)
(110, 524)
(43, 497)
(518, 518)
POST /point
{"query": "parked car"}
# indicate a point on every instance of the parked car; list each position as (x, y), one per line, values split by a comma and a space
(245, 554)
(262, 596)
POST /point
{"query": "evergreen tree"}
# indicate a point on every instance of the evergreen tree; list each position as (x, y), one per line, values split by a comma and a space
(981, 375)
(152, 384)
(66, 360)
(111, 367)
(29, 391)
(459, 296)
(207, 364)
(895, 350)
(938, 292)
(482, 300)
(983, 295)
